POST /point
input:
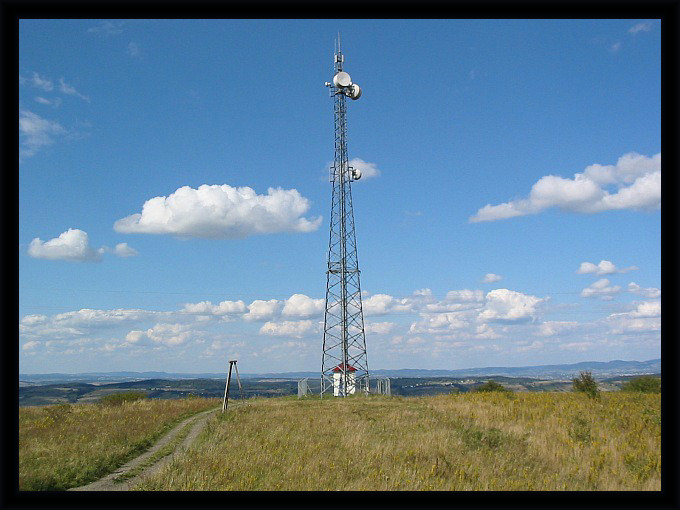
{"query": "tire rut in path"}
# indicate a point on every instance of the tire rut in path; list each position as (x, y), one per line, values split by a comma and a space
(107, 482)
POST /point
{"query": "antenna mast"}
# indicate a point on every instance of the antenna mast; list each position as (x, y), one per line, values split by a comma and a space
(344, 364)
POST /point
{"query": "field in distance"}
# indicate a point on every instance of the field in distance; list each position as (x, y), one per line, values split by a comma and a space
(466, 441)
(82, 392)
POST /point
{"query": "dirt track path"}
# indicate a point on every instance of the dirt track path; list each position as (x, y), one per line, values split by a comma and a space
(107, 483)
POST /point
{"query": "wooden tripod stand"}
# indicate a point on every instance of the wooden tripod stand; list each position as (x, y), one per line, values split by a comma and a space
(232, 363)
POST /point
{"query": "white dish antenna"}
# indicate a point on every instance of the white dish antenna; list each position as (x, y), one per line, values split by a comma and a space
(342, 80)
(354, 91)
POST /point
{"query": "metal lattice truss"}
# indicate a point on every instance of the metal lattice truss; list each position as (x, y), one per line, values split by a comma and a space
(344, 362)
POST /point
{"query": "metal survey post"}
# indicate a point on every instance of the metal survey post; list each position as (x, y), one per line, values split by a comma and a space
(344, 364)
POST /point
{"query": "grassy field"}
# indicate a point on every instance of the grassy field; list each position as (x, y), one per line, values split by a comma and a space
(65, 446)
(472, 441)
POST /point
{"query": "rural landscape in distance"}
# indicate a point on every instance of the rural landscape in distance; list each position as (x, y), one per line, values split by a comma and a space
(339, 255)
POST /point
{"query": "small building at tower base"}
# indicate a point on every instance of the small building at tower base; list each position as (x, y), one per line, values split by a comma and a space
(338, 382)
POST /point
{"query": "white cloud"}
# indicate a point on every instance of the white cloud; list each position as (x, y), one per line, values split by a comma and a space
(604, 267)
(124, 250)
(439, 323)
(601, 289)
(645, 318)
(300, 305)
(368, 170)
(491, 278)
(633, 183)
(88, 318)
(552, 328)
(41, 82)
(379, 328)
(221, 309)
(221, 212)
(296, 329)
(614, 48)
(645, 26)
(465, 296)
(31, 320)
(260, 310)
(70, 245)
(29, 346)
(650, 292)
(36, 132)
(509, 305)
(164, 334)
(536, 344)
(50, 102)
(484, 331)
(380, 304)
(68, 89)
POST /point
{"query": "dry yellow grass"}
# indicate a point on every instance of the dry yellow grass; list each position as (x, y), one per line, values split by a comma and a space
(526, 441)
(66, 445)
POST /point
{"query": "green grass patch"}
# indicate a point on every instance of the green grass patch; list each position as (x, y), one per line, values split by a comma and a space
(63, 447)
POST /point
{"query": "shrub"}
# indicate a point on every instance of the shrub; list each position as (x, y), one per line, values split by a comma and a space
(491, 386)
(585, 383)
(644, 384)
(116, 399)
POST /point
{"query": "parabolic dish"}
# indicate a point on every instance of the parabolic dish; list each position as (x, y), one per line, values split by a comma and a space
(355, 91)
(342, 80)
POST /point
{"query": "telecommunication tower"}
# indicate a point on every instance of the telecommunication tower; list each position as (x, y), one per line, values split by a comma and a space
(344, 365)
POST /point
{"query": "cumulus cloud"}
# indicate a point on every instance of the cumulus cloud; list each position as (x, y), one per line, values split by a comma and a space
(650, 292)
(30, 345)
(164, 334)
(439, 323)
(644, 318)
(508, 305)
(220, 309)
(368, 170)
(221, 212)
(70, 245)
(535, 345)
(604, 267)
(36, 132)
(125, 250)
(260, 310)
(633, 183)
(601, 289)
(88, 318)
(379, 328)
(300, 305)
(491, 278)
(31, 320)
(552, 328)
(380, 304)
(296, 329)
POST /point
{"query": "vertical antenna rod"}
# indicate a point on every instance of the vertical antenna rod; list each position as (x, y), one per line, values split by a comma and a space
(344, 364)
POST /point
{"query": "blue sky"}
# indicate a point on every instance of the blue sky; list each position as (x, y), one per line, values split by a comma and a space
(174, 196)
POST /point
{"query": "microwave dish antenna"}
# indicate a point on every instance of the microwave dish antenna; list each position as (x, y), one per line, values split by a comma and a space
(342, 80)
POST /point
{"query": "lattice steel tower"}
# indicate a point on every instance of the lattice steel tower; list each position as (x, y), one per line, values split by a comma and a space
(344, 365)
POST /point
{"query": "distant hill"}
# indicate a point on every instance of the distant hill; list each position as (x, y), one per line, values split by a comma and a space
(599, 369)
